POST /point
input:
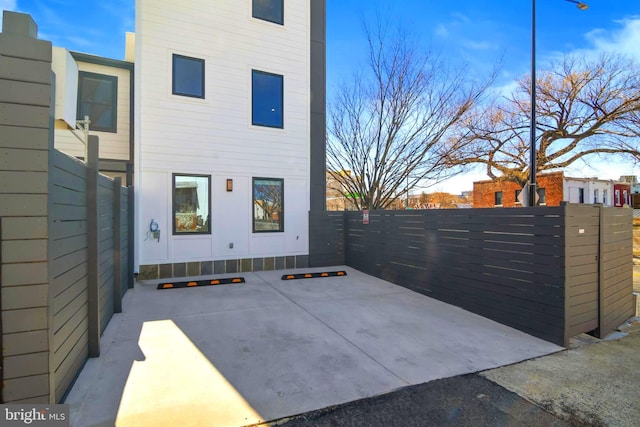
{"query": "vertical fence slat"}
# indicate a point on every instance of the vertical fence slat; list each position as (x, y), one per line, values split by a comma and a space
(130, 234)
(117, 246)
(93, 247)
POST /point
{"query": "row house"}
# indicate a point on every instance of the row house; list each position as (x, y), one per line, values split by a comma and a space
(553, 189)
(216, 116)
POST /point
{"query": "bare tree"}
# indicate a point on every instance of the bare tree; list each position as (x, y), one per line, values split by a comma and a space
(391, 127)
(586, 108)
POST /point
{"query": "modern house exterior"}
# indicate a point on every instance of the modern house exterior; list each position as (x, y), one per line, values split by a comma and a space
(553, 188)
(100, 89)
(229, 134)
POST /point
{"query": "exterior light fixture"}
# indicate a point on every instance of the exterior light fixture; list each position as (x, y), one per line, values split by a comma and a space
(579, 4)
(229, 184)
(532, 141)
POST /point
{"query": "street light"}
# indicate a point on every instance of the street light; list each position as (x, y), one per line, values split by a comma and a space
(532, 134)
(579, 4)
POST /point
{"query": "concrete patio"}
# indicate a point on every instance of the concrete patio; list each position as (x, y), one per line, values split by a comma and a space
(240, 354)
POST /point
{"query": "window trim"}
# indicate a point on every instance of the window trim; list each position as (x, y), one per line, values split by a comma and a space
(253, 13)
(253, 204)
(114, 94)
(173, 205)
(253, 119)
(173, 75)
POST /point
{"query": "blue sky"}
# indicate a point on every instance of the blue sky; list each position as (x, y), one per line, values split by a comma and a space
(478, 32)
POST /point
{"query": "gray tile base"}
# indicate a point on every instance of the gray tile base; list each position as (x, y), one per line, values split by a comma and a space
(230, 266)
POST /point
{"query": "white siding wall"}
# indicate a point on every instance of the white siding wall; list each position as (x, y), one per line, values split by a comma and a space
(214, 136)
(66, 70)
(572, 186)
(113, 146)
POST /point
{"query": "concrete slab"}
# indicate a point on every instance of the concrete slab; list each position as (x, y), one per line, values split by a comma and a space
(243, 353)
(595, 385)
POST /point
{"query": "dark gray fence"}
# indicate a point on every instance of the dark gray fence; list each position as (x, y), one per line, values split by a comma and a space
(89, 251)
(326, 238)
(536, 269)
(65, 233)
(69, 278)
(616, 249)
(106, 245)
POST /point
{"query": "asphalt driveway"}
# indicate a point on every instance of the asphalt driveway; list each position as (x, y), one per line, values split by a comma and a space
(240, 354)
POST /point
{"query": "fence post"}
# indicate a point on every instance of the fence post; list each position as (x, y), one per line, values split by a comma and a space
(600, 273)
(117, 246)
(130, 231)
(93, 236)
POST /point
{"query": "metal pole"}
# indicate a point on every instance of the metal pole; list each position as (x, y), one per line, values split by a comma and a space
(407, 202)
(532, 136)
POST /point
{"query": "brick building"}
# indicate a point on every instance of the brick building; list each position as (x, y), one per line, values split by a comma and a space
(336, 201)
(487, 194)
(554, 188)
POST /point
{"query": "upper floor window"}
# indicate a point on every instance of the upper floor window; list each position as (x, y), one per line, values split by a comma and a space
(97, 98)
(595, 196)
(269, 10)
(188, 76)
(266, 99)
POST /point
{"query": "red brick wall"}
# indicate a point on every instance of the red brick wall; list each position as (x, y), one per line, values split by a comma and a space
(484, 191)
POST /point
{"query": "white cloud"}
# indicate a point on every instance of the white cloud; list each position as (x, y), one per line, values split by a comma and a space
(506, 89)
(479, 45)
(623, 40)
(461, 17)
(441, 30)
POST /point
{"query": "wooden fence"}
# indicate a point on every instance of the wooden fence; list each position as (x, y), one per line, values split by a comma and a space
(552, 272)
(65, 238)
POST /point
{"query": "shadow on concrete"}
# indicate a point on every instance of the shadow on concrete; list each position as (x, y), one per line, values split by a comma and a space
(266, 349)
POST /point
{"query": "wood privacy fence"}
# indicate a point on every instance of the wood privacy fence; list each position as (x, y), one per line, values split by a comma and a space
(65, 240)
(552, 272)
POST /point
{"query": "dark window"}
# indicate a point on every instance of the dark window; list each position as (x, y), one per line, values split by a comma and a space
(604, 197)
(268, 205)
(191, 204)
(188, 76)
(266, 99)
(269, 10)
(542, 196)
(580, 195)
(498, 198)
(98, 98)
(517, 193)
(595, 196)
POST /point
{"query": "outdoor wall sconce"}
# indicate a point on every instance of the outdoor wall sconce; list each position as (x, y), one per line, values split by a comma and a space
(229, 185)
